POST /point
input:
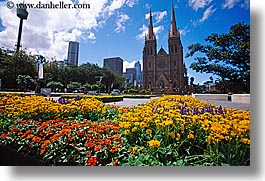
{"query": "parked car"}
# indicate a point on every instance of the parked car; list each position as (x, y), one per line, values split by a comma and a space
(115, 92)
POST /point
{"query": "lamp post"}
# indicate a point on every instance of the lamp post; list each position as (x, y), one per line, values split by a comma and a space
(22, 14)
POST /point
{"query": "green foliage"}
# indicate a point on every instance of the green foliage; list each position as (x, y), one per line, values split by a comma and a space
(55, 85)
(74, 85)
(25, 81)
(14, 64)
(227, 56)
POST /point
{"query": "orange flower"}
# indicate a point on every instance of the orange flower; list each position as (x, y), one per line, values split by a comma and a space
(26, 133)
(107, 142)
(55, 137)
(44, 146)
(97, 148)
(66, 131)
(92, 161)
(30, 136)
(36, 139)
(115, 148)
(70, 138)
(49, 132)
(87, 152)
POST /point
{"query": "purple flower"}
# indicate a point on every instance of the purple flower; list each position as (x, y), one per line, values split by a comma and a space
(220, 110)
(195, 111)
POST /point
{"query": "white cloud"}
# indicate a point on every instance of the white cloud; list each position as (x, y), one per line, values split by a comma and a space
(230, 3)
(144, 31)
(159, 16)
(147, 6)
(47, 31)
(197, 4)
(127, 64)
(207, 13)
(184, 31)
(131, 3)
(122, 18)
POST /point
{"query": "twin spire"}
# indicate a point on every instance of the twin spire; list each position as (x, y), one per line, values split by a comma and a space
(173, 27)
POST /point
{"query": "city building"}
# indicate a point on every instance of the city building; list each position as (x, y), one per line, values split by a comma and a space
(138, 73)
(73, 51)
(162, 71)
(115, 64)
(130, 75)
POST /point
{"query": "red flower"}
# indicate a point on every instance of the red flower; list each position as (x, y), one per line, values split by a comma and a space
(115, 162)
(100, 131)
(92, 161)
(90, 144)
(14, 130)
(4, 135)
(49, 132)
(80, 134)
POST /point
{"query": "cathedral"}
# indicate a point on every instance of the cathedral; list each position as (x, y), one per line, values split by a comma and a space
(164, 72)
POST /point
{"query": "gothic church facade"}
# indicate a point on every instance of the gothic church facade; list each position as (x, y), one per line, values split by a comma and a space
(162, 71)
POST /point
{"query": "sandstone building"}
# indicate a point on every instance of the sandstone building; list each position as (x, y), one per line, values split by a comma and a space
(162, 71)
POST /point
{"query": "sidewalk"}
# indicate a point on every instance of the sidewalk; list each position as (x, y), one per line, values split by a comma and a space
(134, 102)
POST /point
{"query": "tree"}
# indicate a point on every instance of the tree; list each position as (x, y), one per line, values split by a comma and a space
(55, 85)
(74, 85)
(14, 64)
(227, 56)
(25, 82)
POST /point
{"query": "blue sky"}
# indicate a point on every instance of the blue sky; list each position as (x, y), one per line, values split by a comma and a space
(116, 27)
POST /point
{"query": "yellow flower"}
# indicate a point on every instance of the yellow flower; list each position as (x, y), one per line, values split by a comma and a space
(127, 132)
(134, 129)
(135, 149)
(177, 136)
(142, 148)
(191, 136)
(143, 125)
(172, 135)
(148, 131)
(245, 140)
(154, 143)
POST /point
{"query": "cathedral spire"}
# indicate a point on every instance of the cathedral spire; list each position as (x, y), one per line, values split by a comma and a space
(150, 35)
(173, 26)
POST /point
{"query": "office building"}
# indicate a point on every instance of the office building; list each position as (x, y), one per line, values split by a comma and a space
(115, 64)
(73, 51)
(138, 73)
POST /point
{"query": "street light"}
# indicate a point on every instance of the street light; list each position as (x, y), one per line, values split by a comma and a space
(22, 14)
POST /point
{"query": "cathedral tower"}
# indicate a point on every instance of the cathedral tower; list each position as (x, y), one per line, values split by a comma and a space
(164, 72)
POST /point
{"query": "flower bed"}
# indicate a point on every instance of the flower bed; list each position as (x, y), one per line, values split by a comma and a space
(138, 96)
(103, 98)
(171, 130)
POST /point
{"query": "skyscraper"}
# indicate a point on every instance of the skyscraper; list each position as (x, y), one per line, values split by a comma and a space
(73, 50)
(115, 64)
(138, 73)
